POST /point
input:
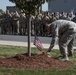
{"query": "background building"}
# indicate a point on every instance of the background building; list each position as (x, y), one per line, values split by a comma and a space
(62, 5)
(12, 8)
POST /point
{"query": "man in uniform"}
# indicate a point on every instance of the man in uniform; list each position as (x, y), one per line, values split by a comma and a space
(6, 26)
(74, 19)
(65, 31)
(22, 24)
(15, 20)
(37, 22)
(0, 21)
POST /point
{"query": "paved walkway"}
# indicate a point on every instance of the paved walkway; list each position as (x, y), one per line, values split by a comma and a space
(22, 41)
(25, 44)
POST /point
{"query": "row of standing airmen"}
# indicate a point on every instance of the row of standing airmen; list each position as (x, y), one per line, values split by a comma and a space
(16, 23)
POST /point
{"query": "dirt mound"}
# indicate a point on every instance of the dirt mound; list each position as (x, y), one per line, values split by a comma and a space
(36, 61)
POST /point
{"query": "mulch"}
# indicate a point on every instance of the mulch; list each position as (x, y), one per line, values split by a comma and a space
(35, 61)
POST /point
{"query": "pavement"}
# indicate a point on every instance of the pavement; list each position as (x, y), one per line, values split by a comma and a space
(25, 44)
(16, 40)
(22, 41)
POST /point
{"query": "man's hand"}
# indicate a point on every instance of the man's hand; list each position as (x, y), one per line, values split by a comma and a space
(48, 53)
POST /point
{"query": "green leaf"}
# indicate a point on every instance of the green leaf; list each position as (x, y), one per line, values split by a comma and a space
(28, 6)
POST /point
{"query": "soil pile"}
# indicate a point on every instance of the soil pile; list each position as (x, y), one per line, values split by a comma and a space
(36, 61)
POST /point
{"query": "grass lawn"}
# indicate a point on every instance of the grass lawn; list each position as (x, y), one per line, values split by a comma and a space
(8, 51)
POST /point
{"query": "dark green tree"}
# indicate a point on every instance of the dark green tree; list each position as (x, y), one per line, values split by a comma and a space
(1, 10)
(29, 7)
(46, 0)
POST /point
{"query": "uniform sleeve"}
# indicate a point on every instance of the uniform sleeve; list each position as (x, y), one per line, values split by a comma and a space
(54, 36)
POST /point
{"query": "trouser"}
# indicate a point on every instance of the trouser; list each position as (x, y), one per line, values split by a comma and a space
(66, 42)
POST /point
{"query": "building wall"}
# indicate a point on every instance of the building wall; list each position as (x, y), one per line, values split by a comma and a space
(62, 5)
(12, 8)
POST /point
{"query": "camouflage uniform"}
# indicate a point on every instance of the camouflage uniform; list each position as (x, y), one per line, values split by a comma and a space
(65, 30)
(0, 21)
(22, 22)
(53, 18)
(6, 27)
(37, 23)
(45, 20)
(32, 25)
(74, 19)
(67, 17)
(15, 19)
(63, 16)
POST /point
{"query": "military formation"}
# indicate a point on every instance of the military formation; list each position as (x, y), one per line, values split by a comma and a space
(15, 23)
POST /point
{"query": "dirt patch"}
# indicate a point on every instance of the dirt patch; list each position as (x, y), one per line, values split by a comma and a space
(36, 61)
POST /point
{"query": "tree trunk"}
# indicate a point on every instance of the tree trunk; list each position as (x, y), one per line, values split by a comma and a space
(29, 35)
(41, 9)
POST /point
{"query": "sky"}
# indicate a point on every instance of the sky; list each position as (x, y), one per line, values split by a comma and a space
(4, 3)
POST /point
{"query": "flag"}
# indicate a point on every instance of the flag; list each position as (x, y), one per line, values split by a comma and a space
(38, 43)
